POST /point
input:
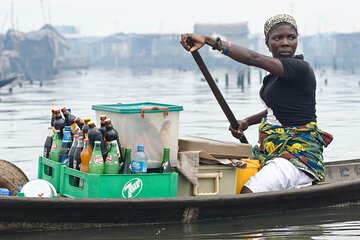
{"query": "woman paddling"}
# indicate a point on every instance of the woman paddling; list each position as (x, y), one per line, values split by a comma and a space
(290, 142)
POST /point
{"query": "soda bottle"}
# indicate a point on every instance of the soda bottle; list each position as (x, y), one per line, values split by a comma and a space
(112, 160)
(71, 120)
(139, 161)
(55, 147)
(94, 134)
(72, 151)
(77, 158)
(96, 165)
(66, 145)
(48, 142)
(165, 165)
(59, 122)
(85, 156)
(102, 124)
(127, 163)
(85, 128)
(52, 117)
(112, 135)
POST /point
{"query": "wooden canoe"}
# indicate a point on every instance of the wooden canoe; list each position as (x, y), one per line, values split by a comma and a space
(6, 81)
(342, 187)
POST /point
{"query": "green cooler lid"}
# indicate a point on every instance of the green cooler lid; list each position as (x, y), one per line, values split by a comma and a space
(132, 108)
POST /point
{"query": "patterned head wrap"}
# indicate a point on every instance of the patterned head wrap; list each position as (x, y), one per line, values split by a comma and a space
(280, 18)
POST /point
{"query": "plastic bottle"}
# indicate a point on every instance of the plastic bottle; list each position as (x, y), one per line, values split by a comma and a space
(48, 142)
(102, 124)
(85, 156)
(52, 117)
(77, 158)
(127, 163)
(72, 151)
(59, 122)
(96, 165)
(65, 145)
(5, 192)
(112, 135)
(71, 120)
(85, 128)
(112, 160)
(55, 147)
(95, 135)
(165, 165)
(139, 161)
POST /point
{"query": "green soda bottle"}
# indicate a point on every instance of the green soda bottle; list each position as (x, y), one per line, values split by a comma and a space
(112, 160)
(55, 146)
(96, 165)
(127, 164)
(165, 165)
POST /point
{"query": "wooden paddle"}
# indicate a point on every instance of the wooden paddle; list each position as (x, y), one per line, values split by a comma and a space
(214, 88)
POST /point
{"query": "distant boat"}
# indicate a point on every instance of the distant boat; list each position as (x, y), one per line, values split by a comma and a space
(6, 81)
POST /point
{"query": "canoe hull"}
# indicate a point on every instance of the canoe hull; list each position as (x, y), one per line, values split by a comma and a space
(31, 214)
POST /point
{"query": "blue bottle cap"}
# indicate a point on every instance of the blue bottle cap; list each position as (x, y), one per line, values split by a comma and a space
(5, 192)
(67, 128)
(140, 148)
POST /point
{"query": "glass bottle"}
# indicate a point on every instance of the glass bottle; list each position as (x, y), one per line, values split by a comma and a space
(165, 165)
(127, 164)
(96, 165)
(85, 128)
(55, 147)
(112, 160)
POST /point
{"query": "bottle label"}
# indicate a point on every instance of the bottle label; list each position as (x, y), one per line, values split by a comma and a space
(138, 167)
(54, 146)
(98, 159)
(109, 158)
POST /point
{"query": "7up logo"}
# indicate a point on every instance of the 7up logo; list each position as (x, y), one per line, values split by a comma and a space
(132, 188)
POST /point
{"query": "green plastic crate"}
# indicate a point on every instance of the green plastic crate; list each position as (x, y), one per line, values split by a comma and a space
(150, 185)
(43, 171)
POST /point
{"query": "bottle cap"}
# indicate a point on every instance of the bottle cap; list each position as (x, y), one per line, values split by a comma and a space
(87, 119)
(5, 192)
(102, 117)
(140, 148)
(91, 123)
(63, 109)
(107, 121)
(67, 128)
(56, 111)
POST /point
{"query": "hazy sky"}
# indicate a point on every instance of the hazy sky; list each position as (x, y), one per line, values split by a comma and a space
(168, 16)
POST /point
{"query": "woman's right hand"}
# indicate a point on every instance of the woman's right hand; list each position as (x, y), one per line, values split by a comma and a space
(239, 133)
(198, 41)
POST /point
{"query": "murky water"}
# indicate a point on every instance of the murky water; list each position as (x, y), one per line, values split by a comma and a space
(25, 115)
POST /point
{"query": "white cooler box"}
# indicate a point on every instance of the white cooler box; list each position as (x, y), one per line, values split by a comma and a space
(212, 180)
(154, 125)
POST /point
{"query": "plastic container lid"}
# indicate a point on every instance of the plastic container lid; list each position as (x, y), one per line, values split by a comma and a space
(38, 188)
(136, 107)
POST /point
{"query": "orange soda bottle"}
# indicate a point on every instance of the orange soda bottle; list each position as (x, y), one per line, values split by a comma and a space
(85, 156)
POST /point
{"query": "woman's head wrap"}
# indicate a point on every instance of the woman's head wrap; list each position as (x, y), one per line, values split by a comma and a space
(280, 18)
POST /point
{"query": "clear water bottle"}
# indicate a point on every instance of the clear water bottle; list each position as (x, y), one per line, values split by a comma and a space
(139, 161)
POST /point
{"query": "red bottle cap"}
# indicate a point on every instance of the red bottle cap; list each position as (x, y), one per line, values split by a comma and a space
(102, 117)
